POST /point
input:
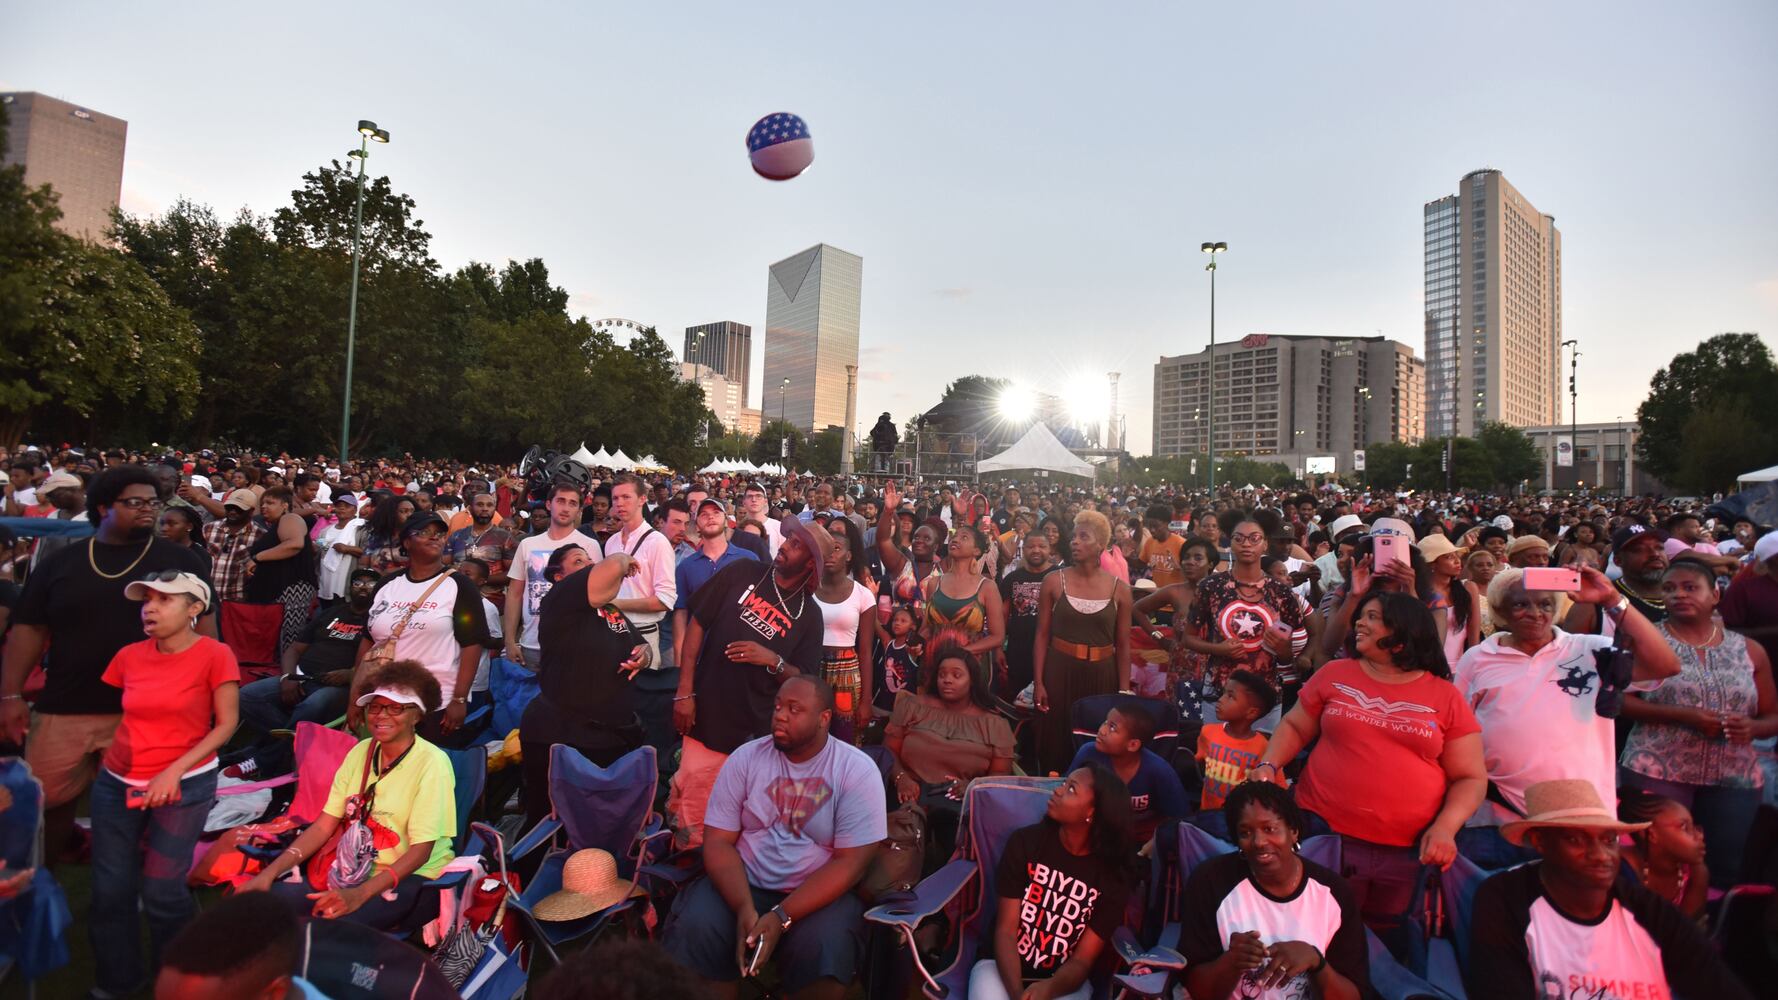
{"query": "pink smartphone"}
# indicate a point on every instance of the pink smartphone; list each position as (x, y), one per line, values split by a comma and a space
(1552, 578)
(1388, 549)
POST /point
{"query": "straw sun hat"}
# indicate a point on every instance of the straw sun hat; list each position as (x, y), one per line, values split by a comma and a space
(590, 883)
(1569, 802)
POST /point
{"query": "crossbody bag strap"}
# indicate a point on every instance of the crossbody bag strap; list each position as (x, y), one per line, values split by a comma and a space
(401, 626)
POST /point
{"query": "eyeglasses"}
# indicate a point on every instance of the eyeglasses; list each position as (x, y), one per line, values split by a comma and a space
(385, 708)
(138, 503)
(431, 534)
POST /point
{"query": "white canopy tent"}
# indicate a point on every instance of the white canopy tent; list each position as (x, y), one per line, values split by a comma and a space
(583, 456)
(1038, 449)
(600, 458)
(620, 462)
(1762, 476)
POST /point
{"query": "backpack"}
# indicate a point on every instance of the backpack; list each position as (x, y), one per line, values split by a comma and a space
(897, 868)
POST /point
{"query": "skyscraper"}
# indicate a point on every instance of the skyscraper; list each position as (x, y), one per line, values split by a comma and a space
(1284, 398)
(1493, 309)
(74, 150)
(725, 348)
(812, 307)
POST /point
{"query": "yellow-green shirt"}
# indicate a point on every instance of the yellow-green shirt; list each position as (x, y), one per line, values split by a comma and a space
(417, 800)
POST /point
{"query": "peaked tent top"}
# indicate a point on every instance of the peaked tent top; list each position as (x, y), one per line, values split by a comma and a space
(1038, 449)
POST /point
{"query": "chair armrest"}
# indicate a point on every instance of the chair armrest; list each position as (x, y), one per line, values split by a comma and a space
(546, 828)
(479, 716)
(933, 894)
(1133, 954)
(447, 880)
(256, 786)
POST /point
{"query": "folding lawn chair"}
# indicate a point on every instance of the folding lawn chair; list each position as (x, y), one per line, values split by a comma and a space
(33, 924)
(992, 809)
(1086, 715)
(610, 808)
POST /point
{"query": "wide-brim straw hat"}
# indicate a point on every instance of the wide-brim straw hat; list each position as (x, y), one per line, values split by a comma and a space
(590, 883)
(1436, 546)
(1568, 802)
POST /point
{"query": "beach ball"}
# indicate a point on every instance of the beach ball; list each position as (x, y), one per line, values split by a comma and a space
(779, 146)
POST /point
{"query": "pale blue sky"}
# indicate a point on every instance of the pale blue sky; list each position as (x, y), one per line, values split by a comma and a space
(1027, 183)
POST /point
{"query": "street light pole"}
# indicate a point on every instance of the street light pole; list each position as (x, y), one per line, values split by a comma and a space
(783, 438)
(1573, 417)
(1210, 442)
(367, 131)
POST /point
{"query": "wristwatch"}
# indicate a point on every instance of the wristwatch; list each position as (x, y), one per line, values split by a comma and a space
(460, 700)
(783, 918)
(776, 668)
(1622, 605)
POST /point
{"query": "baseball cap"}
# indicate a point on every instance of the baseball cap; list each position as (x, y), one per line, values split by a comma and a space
(1634, 532)
(1503, 522)
(420, 521)
(243, 499)
(1766, 548)
(710, 502)
(58, 481)
(170, 582)
(345, 498)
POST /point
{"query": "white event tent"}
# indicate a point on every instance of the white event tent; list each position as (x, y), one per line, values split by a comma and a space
(1038, 449)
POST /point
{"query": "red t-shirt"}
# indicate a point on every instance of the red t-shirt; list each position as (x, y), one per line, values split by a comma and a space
(1370, 730)
(168, 703)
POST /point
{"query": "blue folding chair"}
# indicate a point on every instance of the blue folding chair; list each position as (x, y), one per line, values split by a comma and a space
(1157, 968)
(610, 808)
(33, 924)
(1085, 716)
(992, 809)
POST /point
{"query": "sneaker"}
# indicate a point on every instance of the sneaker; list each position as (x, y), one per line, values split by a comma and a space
(242, 770)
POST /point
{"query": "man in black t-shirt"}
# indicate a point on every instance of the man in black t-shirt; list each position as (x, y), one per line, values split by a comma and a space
(1018, 597)
(317, 674)
(74, 606)
(749, 629)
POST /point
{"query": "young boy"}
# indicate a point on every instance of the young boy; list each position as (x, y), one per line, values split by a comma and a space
(1155, 790)
(1227, 749)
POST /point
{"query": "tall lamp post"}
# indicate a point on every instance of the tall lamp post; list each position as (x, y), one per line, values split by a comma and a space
(783, 438)
(367, 133)
(1212, 249)
(1573, 417)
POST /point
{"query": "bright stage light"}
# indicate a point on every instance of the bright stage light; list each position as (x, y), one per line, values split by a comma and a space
(1017, 403)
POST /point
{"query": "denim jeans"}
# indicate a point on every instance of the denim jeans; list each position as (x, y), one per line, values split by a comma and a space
(141, 854)
(1725, 815)
(262, 706)
(1489, 850)
(1384, 877)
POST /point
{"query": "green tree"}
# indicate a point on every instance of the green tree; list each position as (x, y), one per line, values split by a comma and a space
(766, 447)
(1512, 456)
(822, 456)
(1718, 436)
(1728, 372)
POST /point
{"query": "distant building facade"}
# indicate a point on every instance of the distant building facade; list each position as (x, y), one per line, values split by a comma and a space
(720, 395)
(813, 302)
(1283, 398)
(1604, 459)
(75, 150)
(725, 348)
(1493, 309)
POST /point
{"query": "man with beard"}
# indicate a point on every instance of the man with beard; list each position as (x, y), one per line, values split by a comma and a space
(230, 541)
(749, 628)
(67, 495)
(1572, 924)
(1639, 551)
(1018, 598)
(485, 539)
(794, 821)
(317, 674)
(74, 606)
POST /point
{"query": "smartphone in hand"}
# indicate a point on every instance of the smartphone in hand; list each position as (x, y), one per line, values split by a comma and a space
(1388, 549)
(1555, 578)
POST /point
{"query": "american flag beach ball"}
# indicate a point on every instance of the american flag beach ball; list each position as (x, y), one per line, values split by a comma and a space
(779, 146)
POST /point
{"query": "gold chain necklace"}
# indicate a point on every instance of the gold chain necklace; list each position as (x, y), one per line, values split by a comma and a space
(92, 543)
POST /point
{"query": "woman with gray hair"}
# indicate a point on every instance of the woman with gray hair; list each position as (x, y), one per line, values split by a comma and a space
(1536, 691)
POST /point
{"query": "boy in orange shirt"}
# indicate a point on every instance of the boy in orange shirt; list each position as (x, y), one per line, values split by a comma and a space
(1227, 749)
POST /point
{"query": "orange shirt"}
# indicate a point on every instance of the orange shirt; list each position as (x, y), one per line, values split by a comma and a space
(168, 704)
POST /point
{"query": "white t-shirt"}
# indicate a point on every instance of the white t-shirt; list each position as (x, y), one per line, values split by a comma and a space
(840, 621)
(498, 632)
(533, 554)
(774, 536)
(1538, 722)
(792, 817)
(654, 571)
(1614, 957)
(451, 618)
(336, 567)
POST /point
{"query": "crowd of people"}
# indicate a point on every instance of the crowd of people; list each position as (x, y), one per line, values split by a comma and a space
(1573, 693)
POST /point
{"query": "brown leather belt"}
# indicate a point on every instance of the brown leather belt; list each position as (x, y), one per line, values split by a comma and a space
(1081, 651)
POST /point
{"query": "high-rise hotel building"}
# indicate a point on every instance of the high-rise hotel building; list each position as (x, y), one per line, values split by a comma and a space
(1493, 309)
